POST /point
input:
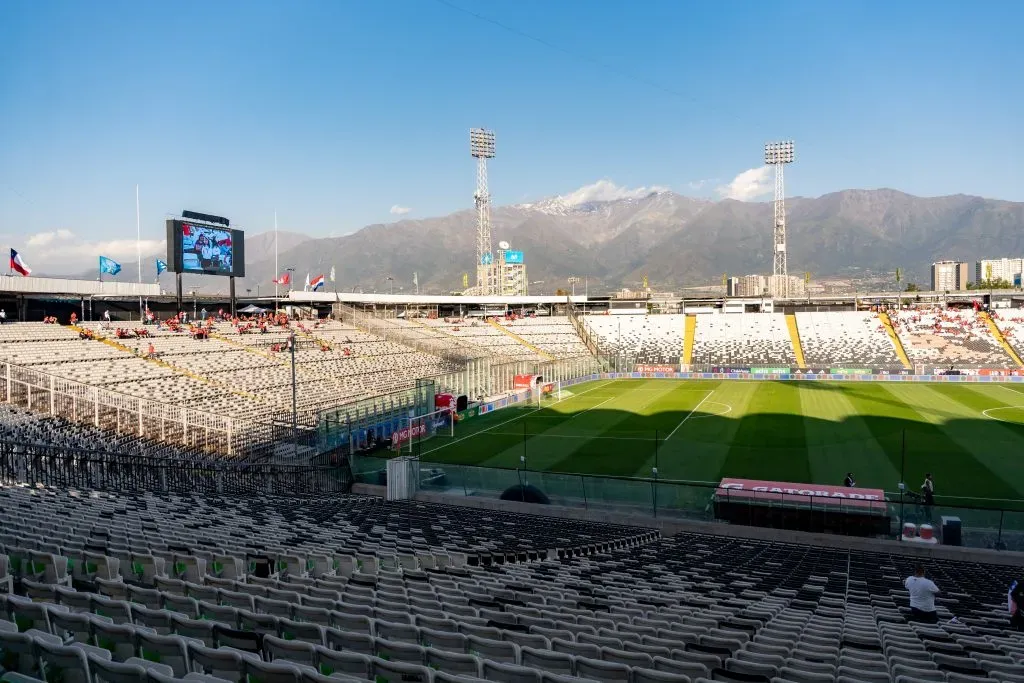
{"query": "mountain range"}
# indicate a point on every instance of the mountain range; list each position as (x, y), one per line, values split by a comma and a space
(674, 240)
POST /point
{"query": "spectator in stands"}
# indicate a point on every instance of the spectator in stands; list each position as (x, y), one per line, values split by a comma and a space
(928, 490)
(3, 316)
(849, 482)
(922, 596)
(1015, 604)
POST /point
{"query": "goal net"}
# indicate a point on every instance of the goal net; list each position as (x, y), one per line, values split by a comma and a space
(547, 393)
(419, 428)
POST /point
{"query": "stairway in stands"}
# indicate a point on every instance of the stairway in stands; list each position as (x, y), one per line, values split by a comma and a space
(891, 331)
(998, 334)
(689, 334)
(794, 336)
(543, 354)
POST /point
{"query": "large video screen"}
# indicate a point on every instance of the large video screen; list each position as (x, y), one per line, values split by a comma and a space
(205, 249)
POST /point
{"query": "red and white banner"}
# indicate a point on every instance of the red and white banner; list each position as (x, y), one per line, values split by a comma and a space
(402, 435)
(657, 368)
(758, 490)
(445, 402)
(524, 381)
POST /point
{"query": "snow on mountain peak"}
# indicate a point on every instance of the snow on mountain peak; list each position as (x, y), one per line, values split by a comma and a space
(590, 198)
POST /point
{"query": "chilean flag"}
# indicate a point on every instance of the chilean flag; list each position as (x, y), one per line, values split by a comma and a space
(18, 265)
(317, 282)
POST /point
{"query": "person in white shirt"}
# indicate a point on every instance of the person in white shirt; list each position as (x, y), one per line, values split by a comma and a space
(922, 596)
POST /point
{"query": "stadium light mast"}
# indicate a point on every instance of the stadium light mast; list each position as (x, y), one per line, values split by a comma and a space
(481, 148)
(777, 155)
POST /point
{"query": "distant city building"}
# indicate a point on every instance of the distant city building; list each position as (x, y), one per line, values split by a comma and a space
(512, 273)
(785, 286)
(950, 276)
(749, 285)
(775, 286)
(1008, 269)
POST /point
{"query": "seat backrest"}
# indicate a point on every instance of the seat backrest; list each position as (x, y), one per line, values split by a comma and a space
(453, 662)
(297, 651)
(601, 670)
(171, 650)
(509, 673)
(272, 672)
(399, 672)
(108, 671)
(341, 662)
(68, 664)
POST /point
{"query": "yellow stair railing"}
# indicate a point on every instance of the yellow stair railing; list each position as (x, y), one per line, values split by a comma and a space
(539, 352)
(998, 334)
(794, 337)
(897, 342)
(170, 366)
(689, 334)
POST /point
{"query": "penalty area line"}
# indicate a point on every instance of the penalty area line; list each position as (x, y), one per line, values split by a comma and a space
(517, 417)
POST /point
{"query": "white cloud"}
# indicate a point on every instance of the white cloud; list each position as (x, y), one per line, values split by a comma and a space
(61, 252)
(607, 191)
(750, 184)
(703, 183)
(41, 239)
(397, 210)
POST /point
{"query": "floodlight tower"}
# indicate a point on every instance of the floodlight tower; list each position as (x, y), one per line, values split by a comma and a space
(778, 154)
(481, 147)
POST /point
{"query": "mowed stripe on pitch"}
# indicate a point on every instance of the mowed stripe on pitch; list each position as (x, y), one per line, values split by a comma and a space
(771, 440)
(501, 432)
(946, 438)
(634, 423)
(838, 440)
(576, 429)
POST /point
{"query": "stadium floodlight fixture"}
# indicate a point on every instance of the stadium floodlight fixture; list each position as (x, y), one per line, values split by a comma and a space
(481, 143)
(778, 153)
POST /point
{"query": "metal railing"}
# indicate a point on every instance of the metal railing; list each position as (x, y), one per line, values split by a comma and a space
(387, 330)
(65, 467)
(982, 527)
(582, 330)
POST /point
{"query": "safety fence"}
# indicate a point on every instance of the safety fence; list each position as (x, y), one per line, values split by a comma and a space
(982, 527)
(64, 467)
(646, 371)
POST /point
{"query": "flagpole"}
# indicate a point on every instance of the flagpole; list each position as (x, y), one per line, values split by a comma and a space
(276, 275)
(138, 249)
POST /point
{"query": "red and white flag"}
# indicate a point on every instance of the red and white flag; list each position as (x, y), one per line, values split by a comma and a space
(19, 266)
(284, 279)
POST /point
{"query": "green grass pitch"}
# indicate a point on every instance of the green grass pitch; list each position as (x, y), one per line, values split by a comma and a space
(969, 436)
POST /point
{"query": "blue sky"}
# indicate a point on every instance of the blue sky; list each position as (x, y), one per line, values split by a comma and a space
(335, 112)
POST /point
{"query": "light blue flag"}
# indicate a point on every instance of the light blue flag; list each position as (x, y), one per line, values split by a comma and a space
(109, 266)
(161, 266)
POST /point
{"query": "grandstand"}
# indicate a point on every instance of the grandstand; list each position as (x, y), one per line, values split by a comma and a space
(943, 337)
(553, 335)
(163, 587)
(744, 339)
(484, 335)
(647, 339)
(123, 562)
(1012, 327)
(855, 339)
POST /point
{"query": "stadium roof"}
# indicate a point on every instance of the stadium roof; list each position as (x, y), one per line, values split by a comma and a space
(16, 284)
(428, 299)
